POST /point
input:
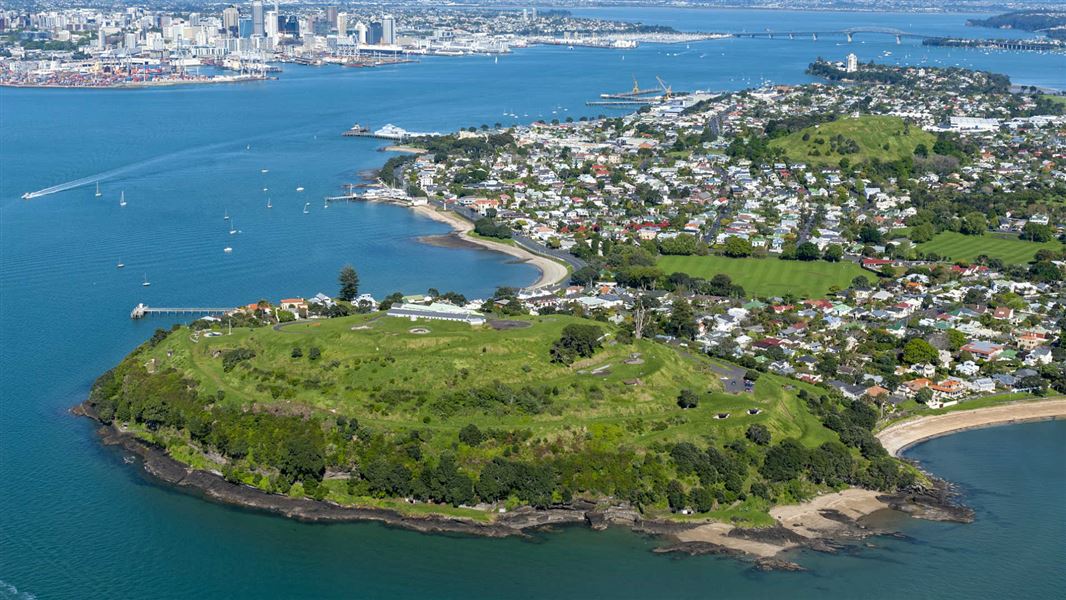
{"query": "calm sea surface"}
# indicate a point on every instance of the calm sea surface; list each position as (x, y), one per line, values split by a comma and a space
(75, 522)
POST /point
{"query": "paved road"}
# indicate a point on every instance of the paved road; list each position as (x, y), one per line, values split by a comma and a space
(520, 239)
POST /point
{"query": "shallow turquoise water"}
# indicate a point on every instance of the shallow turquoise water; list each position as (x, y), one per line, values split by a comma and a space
(76, 522)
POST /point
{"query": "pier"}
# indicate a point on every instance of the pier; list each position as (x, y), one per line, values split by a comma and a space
(142, 310)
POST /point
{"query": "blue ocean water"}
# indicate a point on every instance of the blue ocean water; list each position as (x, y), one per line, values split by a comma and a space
(76, 522)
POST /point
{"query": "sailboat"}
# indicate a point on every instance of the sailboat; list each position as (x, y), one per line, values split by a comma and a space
(306, 207)
(98, 194)
(227, 250)
(120, 264)
(269, 205)
(146, 282)
(232, 228)
(122, 199)
(325, 203)
(225, 217)
(496, 60)
(299, 189)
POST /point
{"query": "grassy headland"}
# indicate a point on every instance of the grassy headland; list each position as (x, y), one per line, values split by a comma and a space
(369, 410)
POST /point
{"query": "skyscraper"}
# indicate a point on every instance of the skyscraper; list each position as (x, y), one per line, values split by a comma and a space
(258, 21)
(331, 15)
(852, 64)
(342, 24)
(360, 33)
(230, 18)
(388, 30)
(270, 27)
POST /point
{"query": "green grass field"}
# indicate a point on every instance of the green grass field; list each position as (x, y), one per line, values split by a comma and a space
(766, 277)
(872, 133)
(1007, 248)
(375, 369)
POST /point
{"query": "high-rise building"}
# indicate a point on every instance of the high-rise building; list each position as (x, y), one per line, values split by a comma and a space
(258, 20)
(331, 15)
(373, 35)
(230, 19)
(852, 64)
(360, 33)
(342, 24)
(270, 26)
(388, 30)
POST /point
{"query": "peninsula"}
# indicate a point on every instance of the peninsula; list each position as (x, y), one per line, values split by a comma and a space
(760, 283)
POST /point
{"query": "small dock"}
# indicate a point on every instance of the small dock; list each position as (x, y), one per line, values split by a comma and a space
(142, 310)
(345, 198)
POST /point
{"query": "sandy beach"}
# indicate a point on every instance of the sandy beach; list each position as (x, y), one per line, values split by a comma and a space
(799, 524)
(901, 436)
(551, 272)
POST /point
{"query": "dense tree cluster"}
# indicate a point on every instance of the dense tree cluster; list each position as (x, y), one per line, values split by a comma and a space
(489, 228)
(577, 341)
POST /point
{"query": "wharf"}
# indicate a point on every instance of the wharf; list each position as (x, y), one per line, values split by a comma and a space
(142, 310)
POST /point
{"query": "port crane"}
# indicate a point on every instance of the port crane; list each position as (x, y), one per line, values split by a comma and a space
(668, 92)
(634, 93)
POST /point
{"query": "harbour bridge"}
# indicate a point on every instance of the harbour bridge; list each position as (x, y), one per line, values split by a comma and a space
(849, 33)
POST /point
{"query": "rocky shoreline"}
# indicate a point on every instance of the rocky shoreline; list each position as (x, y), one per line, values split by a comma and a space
(761, 546)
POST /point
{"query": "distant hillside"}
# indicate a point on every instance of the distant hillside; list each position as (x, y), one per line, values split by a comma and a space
(857, 139)
(1049, 22)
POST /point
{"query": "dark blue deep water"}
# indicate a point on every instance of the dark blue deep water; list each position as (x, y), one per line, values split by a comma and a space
(75, 522)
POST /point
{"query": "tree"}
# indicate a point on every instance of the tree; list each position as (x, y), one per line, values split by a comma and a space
(974, 223)
(349, 281)
(758, 434)
(833, 253)
(675, 495)
(870, 234)
(682, 321)
(956, 339)
(296, 352)
(684, 244)
(924, 396)
(922, 232)
(688, 399)
(577, 341)
(1037, 232)
(701, 499)
(807, 251)
(585, 275)
(917, 351)
(736, 247)
(471, 435)
(1046, 271)
(784, 461)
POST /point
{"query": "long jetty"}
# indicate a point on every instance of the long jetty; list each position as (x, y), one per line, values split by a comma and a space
(142, 310)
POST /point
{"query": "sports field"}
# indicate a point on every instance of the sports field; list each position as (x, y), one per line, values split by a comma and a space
(766, 277)
(1007, 248)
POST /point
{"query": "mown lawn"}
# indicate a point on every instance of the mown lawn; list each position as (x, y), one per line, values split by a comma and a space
(1007, 248)
(872, 133)
(767, 277)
